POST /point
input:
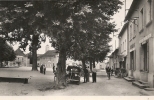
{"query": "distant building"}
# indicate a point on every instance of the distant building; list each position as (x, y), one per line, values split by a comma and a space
(100, 65)
(49, 58)
(21, 59)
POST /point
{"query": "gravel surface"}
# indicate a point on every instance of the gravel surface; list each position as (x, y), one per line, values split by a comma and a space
(41, 85)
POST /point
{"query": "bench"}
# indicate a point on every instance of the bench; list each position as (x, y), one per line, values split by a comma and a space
(10, 79)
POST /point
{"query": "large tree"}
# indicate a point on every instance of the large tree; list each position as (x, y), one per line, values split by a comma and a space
(86, 21)
(91, 31)
(23, 21)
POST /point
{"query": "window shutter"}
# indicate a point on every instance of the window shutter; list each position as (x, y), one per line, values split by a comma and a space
(141, 59)
(148, 56)
(129, 60)
(134, 59)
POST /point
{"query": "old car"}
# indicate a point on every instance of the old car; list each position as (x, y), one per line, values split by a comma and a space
(73, 74)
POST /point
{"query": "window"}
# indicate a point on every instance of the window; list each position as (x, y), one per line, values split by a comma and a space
(133, 60)
(142, 18)
(135, 26)
(148, 11)
(130, 32)
(145, 56)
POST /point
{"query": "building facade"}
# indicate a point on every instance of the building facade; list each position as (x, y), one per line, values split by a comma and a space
(49, 58)
(140, 40)
(123, 47)
(20, 61)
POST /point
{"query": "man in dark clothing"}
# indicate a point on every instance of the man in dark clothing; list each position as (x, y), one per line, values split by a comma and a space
(88, 74)
(111, 70)
(41, 69)
(44, 69)
(85, 74)
(108, 71)
(94, 75)
(53, 68)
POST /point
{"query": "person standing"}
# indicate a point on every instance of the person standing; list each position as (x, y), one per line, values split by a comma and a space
(85, 74)
(41, 69)
(94, 71)
(44, 69)
(53, 68)
(111, 70)
(108, 71)
(88, 74)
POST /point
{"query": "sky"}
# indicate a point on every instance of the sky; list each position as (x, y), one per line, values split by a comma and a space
(118, 18)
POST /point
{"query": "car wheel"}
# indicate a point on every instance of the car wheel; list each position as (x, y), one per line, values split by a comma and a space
(78, 83)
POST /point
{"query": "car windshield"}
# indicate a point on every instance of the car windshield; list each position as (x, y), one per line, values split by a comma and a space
(73, 69)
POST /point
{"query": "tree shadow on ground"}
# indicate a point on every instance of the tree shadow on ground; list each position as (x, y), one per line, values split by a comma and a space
(47, 86)
(101, 75)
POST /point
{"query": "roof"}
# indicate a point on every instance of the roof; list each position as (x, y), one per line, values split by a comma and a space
(19, 52)
(49, 53)
(131, 10)
(111, 56)
(116, 50)
(122, 30)
(38, 55)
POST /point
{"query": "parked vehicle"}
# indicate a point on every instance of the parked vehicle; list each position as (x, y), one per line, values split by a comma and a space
(73, 74)
(120, 72)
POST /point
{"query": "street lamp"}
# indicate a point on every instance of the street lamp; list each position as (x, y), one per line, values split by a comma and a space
(134, 18)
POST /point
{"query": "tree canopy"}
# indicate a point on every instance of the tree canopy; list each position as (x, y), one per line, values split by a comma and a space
(7, 53)
(78, 28)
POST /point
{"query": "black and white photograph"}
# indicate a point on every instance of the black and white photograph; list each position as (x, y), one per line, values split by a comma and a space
(77, 48)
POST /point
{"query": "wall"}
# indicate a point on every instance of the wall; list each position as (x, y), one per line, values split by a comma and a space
(49, 61)
(145, 31)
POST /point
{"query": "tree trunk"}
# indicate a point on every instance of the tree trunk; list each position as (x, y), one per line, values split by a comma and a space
(34, 53)
(61, 70)
(83, 63)
(34, 58)
(94, 64)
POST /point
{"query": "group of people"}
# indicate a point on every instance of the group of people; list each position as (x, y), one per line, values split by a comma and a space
(43, 69)
(87, 72)
(109, 72)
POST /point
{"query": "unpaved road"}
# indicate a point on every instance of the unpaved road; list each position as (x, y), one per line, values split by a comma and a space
(41, 85)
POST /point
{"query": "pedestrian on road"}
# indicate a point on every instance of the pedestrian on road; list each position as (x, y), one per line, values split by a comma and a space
(53, 68)
(108, 71)
(111, 70)
(94, 71)
(41, 69)
(88, 74)
(85, 74)
(44, 69)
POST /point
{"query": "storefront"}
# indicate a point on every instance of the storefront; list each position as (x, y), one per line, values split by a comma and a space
(144, 58)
